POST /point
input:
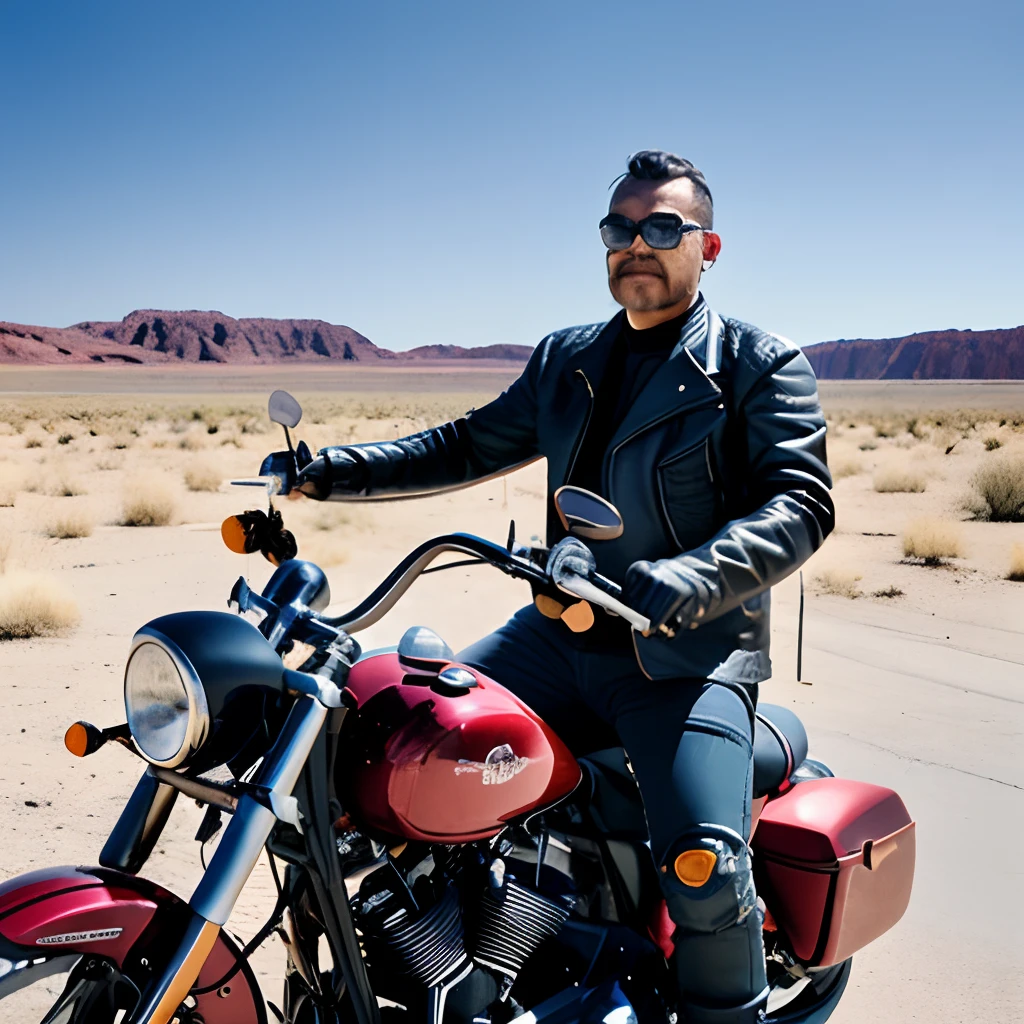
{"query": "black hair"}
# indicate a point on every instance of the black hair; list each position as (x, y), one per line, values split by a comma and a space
(657, 165)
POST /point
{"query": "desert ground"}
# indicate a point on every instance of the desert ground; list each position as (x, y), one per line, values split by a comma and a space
(913, 673)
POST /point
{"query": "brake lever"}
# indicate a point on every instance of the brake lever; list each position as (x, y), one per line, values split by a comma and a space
(245, 599)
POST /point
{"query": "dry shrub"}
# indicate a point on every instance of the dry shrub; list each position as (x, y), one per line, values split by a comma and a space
(899, 479)
(890, 591)
(1000, 486)
(839, 582)
(992, 443)
(330, 517)
(933, 540)
(11, 480)
(66, 487)
(203, 476)
(107, 463)
(1016, 563)
(33, 442)
(34, 605)
(323, 549)
(148, 501)
(867, 446)
(67, 525)
(844, 466)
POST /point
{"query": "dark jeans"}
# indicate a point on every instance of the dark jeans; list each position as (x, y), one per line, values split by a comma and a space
(690, 744)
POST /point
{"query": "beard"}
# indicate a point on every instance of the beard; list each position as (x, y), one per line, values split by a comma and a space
(643, 296)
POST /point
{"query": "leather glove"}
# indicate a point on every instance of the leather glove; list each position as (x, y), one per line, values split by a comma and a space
(658, 592)
(570, 557)
(337, 474)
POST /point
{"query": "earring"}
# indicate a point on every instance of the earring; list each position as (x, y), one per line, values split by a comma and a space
(707, 265)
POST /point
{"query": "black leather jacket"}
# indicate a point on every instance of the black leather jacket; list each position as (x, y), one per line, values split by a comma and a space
(719, 466)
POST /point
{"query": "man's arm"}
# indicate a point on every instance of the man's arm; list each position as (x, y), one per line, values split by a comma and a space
(776, 403)
(486, 442)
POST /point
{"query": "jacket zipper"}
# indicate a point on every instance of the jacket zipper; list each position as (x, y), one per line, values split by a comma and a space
(586, 423)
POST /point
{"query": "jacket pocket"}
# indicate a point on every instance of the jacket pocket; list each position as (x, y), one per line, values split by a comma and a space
(686, 487)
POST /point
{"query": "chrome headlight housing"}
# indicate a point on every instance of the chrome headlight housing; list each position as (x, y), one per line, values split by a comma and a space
(164, 699)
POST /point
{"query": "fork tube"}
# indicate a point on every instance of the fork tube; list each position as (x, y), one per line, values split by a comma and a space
(250, 828)
(162, 997)
(231, 865)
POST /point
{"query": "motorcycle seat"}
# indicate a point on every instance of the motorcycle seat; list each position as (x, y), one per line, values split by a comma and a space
(780, 747)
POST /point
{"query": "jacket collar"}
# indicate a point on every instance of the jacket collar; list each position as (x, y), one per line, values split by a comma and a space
(680, 383)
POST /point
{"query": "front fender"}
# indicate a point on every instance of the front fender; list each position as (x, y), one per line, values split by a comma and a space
(49, 918)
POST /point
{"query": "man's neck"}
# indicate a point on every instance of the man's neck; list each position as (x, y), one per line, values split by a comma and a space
(642, 320)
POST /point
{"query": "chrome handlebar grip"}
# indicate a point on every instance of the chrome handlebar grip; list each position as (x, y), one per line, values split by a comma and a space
(587, 591)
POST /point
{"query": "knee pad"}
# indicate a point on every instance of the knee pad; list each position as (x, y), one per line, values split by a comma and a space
(707, 880)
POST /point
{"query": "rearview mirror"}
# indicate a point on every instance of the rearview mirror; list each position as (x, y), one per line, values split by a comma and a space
(284, 409)
(584, 514)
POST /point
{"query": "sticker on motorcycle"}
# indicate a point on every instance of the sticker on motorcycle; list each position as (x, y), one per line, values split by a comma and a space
(100, 935)
(500, 765)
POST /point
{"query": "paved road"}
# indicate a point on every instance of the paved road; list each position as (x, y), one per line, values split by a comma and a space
(941, 721)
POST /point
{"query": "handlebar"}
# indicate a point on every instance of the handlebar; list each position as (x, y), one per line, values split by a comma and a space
(398, 581)
(593, 588)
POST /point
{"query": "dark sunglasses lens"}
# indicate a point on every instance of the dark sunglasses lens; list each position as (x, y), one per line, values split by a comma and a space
(617, 236)
(662, 232)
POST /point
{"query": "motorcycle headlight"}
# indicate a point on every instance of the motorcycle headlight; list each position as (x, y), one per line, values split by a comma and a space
(165, 700)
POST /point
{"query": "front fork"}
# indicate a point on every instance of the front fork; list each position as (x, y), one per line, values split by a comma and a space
(232, 863)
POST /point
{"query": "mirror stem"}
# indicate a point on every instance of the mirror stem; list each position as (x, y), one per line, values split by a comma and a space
(288, 439)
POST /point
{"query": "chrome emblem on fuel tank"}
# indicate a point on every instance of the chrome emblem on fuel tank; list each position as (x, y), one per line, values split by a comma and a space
(500, 765)
(100, 935)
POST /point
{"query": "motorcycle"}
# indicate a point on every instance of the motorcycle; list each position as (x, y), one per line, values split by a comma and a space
(458, 864)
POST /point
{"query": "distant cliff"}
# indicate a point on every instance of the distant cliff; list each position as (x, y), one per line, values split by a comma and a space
(506, 353)
(932, 355)
(153, 336)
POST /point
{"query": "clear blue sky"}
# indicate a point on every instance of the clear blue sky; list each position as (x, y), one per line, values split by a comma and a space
(435, 172)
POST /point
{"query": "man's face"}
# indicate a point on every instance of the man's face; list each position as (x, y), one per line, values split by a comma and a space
(644, 279)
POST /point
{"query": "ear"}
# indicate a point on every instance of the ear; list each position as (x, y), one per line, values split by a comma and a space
(712, 246)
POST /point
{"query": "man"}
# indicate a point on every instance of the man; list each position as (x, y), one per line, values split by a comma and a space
(707, 434)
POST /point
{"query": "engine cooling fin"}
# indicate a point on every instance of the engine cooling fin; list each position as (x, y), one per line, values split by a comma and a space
(512, 923)
(430, 948)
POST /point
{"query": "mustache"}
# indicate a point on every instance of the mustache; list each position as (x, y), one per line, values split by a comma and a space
(640, 264)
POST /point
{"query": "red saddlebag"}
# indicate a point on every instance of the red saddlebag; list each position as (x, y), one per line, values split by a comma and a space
(834, 863)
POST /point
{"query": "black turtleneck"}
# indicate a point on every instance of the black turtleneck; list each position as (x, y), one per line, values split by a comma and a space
(633, 359)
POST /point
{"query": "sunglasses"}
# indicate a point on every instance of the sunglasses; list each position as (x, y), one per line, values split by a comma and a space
(658, 230)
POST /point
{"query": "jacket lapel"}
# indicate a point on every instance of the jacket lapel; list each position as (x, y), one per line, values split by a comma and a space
(593, 358)
(585, 368)
(680, 383)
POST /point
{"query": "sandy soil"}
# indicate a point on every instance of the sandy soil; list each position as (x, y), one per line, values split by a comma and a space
(922, 692)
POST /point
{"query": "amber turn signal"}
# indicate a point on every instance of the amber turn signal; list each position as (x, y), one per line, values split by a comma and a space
(83, 739)
(694, 867)
(548, 606)
(233, 533)
(579, 617)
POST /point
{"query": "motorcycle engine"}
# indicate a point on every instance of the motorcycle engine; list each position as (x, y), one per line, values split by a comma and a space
(411, 919)
(458, 921)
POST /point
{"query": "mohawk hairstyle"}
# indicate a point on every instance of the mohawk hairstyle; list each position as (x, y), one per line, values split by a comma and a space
(657, 165)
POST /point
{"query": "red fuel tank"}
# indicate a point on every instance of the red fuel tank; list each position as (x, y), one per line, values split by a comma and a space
(448, 764)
